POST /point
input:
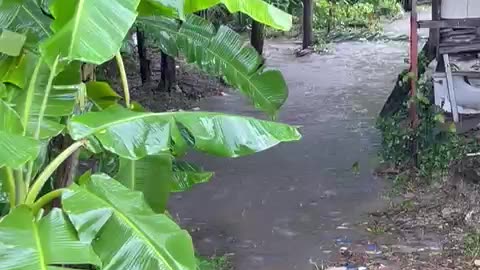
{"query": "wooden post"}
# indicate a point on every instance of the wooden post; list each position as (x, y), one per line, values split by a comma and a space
(307, 23)
(145, 71)
(257, 36)
(434, 34)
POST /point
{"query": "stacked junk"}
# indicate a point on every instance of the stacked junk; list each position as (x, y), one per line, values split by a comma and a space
(457, 75)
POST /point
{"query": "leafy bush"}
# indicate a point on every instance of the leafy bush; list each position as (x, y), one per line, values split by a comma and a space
(437, 144)
(344, 20)
(472, 245)
(114, 218)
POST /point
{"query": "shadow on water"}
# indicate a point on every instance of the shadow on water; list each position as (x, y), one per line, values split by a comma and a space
(284, 207)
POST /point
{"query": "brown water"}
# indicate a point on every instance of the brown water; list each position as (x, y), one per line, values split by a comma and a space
(284, 208)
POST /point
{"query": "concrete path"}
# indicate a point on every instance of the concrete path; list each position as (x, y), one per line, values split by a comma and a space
(285, 208)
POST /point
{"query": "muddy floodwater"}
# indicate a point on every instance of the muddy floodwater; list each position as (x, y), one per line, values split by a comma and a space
(286, 208)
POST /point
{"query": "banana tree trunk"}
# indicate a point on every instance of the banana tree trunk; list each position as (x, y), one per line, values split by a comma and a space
(67, 172)
(145, 71)
(307, 23)
(257, 37)
(168, 73)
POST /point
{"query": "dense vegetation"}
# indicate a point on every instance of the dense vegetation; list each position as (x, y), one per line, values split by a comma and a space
(343, 19)
(430, 148)
(53, 113)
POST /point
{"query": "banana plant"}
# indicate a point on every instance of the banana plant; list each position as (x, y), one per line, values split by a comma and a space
(112, 219)
(220, 53)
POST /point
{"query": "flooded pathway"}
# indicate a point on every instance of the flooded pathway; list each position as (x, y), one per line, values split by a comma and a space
(284, 208)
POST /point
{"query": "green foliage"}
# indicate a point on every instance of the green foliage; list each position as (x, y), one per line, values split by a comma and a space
(256, 9)
(220, 53)
(346, 20)
(113, 223)
(472, 245)
(31, 245)
(215, 263)
(437, 144)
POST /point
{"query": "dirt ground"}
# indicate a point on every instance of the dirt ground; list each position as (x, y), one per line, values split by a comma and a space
(424, 228)
(192, 84)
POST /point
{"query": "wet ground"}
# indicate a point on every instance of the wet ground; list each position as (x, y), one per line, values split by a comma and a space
(285, 208)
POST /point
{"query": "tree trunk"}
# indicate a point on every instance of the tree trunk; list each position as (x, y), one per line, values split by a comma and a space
(66, 173)
(168, 73)
(257, 36)
(307, 23)
(145, 71)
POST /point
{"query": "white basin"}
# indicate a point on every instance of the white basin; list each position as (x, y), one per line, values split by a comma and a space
(474, 8)
(460, 9)
(454, 9)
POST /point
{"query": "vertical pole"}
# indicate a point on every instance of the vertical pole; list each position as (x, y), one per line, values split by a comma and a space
(434, 34)
(307, 23)
(257, 36)
(413, 62)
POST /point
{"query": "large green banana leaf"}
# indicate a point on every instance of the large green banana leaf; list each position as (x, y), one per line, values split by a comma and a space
(152, 175)
(124, 231)
(134, 135)
(257, 9)
(16, 150)
(186, 175)
(9, 119)
(223, 53)
(12, 70)
(89, 31)
(33, 99)
(25, 16)
(168, 8)
(27, 244)
(11, 43)
(102, 95)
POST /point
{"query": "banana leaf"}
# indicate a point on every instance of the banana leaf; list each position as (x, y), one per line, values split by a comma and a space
(168, 8)
(221, 53)
(152, 175)
(186, 175)
(258, 10)
(12, 70)
(25, 16)
(16, 150)
(134, 135)
(28, 244)
(9, 119)
(88, 31)
(102, 95)
(34, 101)
(11, 43)
(124, 231)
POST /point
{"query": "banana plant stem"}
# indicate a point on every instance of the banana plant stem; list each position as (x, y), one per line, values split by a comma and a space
(123, 77)
(12, 194)
(46, 199)
(49, 170)
(20, 188)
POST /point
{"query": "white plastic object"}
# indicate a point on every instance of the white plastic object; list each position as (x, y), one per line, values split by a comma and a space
(473, 8)
(467, 94)
(455, 9)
